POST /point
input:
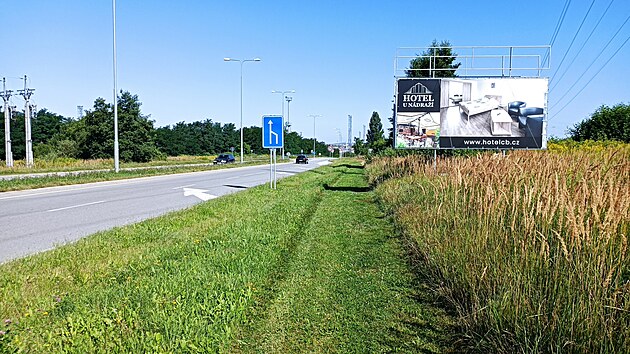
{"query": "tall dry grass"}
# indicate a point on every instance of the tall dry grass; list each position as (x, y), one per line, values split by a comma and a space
(531, 249)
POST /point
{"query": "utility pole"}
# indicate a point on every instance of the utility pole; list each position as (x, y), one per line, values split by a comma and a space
(7, 123)
(26, 93)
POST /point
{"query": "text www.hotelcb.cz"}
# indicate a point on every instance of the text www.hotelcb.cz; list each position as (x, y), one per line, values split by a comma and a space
(493, 142)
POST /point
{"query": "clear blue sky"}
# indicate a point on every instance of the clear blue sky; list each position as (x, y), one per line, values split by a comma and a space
(337, 55)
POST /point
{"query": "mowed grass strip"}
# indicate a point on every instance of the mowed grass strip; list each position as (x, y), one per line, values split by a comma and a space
(347, 288)
(311, 267)
(182, 282)
(87, 176)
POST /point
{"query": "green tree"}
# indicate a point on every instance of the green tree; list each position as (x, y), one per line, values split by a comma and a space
(252, 136)
(293, 143)
(135, 131)
(45, 125)
(606, 123)
(98, 125)
(68, 143)
(18, 136)
(50, 140)
(360, 148)
(166, 142)
(375, 139)
(232, 138)
(439, 56)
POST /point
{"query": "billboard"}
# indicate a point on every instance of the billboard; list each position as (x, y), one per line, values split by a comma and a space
(471, 113)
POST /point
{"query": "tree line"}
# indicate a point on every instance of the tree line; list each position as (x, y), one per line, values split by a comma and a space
(92, 136)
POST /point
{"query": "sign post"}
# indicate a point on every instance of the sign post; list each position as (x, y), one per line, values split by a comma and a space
(272, 139)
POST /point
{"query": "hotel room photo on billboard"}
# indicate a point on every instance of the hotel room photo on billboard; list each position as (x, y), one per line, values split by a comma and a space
(464, 113)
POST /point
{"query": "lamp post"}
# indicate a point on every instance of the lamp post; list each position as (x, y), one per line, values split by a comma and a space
(116, 152)
(283, 93)
(288, 124)
(241, 61)
(283, 96)
(314, 116)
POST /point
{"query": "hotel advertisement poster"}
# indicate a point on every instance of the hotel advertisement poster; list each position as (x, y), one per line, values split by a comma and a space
(471, 113)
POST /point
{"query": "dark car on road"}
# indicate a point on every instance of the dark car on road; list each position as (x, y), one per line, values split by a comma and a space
(224, 158)
(301, 159)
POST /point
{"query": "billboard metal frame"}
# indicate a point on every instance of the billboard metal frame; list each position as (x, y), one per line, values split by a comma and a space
(522, 61)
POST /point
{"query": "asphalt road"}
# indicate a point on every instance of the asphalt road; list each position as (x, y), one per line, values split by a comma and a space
(32, 221)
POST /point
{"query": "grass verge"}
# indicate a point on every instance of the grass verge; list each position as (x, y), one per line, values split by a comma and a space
(530, 249)
(70, 164)
(347, 288)
(313, 266)
(87, 176)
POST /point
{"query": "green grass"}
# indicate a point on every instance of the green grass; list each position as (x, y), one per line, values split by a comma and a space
(135, 171)
(346, 288)
(69, 164)
(311, 267)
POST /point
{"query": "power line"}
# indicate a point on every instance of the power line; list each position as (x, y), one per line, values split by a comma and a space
(563, 13)
(579, 77)
(592, 77)
(582, 47)
(573, 40)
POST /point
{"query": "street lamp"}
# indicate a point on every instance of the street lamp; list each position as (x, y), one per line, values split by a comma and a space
(314, 116)
(241, 61)
(288, 124)
(283, 95)
(116, 151)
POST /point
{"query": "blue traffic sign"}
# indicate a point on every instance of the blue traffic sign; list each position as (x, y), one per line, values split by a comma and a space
(273, 134)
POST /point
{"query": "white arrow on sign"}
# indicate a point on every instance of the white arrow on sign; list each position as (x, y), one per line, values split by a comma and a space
(272, 132)
(199, 193)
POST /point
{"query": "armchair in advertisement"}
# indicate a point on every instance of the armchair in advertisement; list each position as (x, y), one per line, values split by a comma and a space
(514, 109)
(526, 113)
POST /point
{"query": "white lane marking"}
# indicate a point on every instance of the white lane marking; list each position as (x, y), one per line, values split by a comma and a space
(71, 188)
(58, 189)
(182, 187)
(199, 193)
(75, 206)
(247, 175)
